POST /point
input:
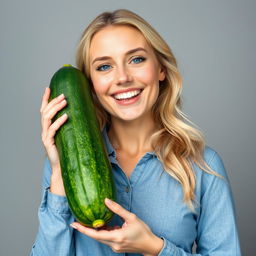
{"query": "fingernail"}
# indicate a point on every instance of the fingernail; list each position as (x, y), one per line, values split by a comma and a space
(73, 226)
(108, 201)
(61, 96)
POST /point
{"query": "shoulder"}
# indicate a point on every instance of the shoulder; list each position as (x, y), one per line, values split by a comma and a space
(214, 161)
(212, 189)
(217, 181)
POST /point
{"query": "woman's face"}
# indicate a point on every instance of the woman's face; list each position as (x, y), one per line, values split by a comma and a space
(124, 71)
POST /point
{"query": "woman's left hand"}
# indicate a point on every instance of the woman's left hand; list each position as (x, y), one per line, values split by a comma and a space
(134, 236)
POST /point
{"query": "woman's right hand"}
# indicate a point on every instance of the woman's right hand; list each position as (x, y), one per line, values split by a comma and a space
(48, 110)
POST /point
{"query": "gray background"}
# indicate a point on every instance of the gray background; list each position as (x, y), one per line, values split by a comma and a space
(214, 42)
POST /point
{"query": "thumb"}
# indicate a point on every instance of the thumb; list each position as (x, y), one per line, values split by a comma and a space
(119, 210)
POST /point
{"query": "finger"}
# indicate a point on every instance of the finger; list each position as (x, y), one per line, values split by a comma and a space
(45, 98)
(50, 111)
(108, 228)
(54, 127)
(52, 103)
(103, 235)
(47, 116)
(119, 210)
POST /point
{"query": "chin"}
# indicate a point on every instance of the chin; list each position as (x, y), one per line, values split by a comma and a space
(132, 116)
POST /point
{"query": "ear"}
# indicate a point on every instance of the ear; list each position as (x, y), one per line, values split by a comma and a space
(162, 74)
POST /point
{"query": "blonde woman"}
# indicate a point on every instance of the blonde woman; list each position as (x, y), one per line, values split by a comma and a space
(172, 190)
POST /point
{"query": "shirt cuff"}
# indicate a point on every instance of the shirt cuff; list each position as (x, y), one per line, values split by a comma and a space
(168, 249)
(55, 203)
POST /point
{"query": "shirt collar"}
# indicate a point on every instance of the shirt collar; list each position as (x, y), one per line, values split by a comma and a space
(109, 146)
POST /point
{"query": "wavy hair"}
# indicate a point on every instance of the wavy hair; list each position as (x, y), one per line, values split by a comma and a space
(177, 143)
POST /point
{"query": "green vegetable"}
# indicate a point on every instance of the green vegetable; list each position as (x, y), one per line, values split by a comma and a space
(86, 170)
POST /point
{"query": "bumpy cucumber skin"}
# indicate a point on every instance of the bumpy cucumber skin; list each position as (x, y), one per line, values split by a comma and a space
(86, 170)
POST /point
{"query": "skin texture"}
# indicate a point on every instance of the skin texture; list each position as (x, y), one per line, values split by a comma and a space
(123, 70)
(124, 67)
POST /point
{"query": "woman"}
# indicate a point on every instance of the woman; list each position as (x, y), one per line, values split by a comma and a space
(172, 190)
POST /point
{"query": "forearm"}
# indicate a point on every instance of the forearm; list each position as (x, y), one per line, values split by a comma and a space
(57, 186)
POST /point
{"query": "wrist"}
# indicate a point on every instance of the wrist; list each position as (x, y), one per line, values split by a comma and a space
(57, 186)
(155, 245)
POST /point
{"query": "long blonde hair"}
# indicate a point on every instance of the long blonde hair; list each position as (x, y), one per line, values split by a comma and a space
(177, 143)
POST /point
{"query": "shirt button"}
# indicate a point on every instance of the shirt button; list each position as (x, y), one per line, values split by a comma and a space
(127, 189)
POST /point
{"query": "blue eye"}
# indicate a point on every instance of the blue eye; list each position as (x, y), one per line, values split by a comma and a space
(137, 60)
(103, 67)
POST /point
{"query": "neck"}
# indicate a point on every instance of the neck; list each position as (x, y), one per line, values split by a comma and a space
(132, 137)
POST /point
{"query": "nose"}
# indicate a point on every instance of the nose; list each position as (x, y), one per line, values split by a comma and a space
(123, 76)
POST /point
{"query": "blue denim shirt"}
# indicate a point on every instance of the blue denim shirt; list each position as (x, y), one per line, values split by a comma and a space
(157, 199)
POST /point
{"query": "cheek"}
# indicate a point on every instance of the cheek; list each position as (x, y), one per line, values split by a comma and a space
(148, 75)
(100, 84)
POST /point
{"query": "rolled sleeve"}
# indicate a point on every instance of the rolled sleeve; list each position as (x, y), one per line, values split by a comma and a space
(55, 203)
(55, 236)
(168, 248)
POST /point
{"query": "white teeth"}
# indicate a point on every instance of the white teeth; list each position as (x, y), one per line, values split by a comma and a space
(126, 95)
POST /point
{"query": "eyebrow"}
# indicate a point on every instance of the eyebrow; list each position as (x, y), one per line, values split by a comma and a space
(127, 53)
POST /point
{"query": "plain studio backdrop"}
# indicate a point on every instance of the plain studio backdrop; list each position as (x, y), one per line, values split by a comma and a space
(214, 42)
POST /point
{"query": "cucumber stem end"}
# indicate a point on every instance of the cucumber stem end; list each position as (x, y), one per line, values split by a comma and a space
(98, 223)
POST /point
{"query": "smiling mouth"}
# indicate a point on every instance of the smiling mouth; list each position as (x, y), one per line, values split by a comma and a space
(127, 95)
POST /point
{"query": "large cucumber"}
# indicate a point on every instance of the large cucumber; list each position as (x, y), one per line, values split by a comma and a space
(86, 170)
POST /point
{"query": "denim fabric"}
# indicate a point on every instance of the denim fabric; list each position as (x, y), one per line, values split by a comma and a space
(157, 199)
